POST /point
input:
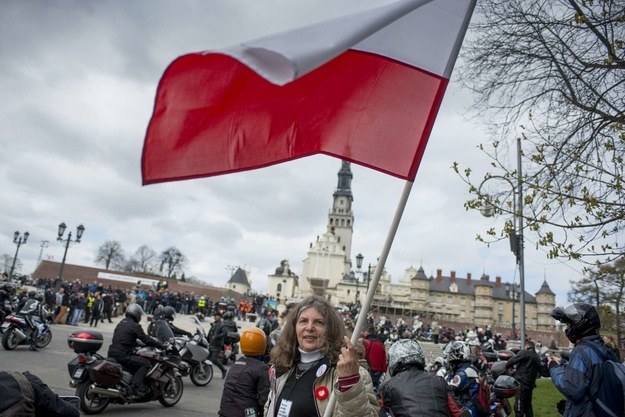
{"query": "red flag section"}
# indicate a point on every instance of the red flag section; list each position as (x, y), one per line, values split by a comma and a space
(214, 115)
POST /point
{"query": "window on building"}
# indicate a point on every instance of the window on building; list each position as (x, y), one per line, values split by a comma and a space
(279, 287)
(348, 222)
(500, 306)
(462, 314)
(463, 301)
(500, 318)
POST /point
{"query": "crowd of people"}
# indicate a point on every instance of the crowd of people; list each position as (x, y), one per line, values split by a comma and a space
(292, 365)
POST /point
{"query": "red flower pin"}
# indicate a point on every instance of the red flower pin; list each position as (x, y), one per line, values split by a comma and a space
(321, 393)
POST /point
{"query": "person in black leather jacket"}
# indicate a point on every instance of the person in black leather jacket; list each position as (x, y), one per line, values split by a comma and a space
(169, 314)
(218, 335)
(527, 364)
(412, 391)
(247, 385)
(124, 343)
(26, 394)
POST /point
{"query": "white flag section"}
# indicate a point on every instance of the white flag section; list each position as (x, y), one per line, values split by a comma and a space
(426, 34)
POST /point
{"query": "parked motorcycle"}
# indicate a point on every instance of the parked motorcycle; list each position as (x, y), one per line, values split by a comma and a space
(502, 387)
(99, 381)
(493, 355)
(16, 331)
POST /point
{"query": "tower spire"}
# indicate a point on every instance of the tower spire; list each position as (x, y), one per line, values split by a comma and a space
(344, 186)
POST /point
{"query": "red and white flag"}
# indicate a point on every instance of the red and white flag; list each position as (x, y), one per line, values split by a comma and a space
(365, 87)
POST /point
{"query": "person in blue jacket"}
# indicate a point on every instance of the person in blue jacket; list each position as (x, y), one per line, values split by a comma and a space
(574, 379)
(463, 378)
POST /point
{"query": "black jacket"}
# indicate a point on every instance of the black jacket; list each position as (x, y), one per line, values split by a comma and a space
(414, 392)
(246, 386)
(125, 338)
(47, 403)
(220, 331)
(527, 367)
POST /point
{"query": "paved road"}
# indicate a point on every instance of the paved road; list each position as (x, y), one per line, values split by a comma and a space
(50, 364)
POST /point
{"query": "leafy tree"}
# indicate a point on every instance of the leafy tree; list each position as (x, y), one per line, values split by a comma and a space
(587, 290)
(111, 254)
(604, 287)
(143, 259)
(553, 73)
(172, 262)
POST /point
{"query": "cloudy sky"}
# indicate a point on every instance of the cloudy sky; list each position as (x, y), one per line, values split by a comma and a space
(78, 80)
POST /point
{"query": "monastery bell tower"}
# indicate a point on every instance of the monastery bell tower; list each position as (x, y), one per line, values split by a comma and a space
(341, 218)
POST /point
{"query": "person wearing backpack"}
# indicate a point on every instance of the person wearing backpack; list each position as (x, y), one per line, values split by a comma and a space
(527, 363)
(588, 380)
(375, 354)
(463, 379)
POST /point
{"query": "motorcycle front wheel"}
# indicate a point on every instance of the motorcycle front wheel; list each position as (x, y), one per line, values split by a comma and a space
(201, 374)
(9, 342)
(44, 341)
(172, 392)
(90, 403)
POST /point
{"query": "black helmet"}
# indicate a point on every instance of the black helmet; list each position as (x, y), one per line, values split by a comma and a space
(168, 313)
(39, 297)
(31, 294)
(134, 311)
(228, 315)
(580, 318)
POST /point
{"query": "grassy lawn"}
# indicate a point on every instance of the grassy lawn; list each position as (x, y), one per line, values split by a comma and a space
(545, 398)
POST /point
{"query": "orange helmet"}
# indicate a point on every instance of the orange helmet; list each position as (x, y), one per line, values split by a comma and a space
(253, 341)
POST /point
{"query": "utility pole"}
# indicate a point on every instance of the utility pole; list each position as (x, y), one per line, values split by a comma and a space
(44, 244)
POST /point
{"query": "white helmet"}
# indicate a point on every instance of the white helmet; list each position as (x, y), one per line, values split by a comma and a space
(403, 352)
(457, 351)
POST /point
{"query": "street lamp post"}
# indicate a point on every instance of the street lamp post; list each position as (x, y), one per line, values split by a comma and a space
(368, 277)
(17, 239)
(516, 237)
(79, 231)
(359, 259)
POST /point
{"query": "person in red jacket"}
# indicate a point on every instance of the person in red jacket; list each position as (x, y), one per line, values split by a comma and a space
(375, 355)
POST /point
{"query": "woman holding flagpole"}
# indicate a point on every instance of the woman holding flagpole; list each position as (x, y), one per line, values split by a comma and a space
(312, 358)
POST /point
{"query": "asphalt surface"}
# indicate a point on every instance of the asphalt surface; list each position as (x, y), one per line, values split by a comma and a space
(50, 364)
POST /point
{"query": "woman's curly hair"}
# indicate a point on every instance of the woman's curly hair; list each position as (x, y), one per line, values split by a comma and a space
(286, 353)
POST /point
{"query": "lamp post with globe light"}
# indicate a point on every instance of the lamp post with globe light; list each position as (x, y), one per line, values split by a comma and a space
(516, 235)
(17, 239)
(79, 231)
(359, 259)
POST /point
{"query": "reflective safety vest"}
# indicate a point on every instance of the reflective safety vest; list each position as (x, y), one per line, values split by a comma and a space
(201, 303)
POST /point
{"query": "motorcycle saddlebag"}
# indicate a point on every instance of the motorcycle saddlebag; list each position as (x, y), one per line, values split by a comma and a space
(107, 373)
(506, 386)
(85, 341)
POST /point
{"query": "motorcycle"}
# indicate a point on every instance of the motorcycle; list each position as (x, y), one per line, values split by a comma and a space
(100, 381)
(493, 355)
(194, 353)
(502, 387)
(16, 331)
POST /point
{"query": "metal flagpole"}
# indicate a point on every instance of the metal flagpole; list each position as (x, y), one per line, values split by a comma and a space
(366, 306)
